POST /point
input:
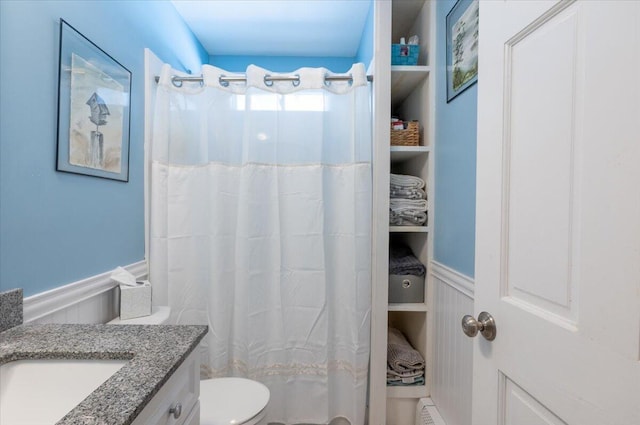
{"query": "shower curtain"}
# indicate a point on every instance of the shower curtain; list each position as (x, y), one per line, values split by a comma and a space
(260, 223)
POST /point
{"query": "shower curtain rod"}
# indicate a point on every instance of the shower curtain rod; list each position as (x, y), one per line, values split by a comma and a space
(177, 81)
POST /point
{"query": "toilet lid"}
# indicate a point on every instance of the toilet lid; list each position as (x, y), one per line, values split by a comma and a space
(225, 401)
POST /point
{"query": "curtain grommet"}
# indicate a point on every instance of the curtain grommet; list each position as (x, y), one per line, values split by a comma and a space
(222, 82)
(296, 82)
(176, 82)
(267, 80)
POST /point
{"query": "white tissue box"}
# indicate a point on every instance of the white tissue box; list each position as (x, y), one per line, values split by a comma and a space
(135, 301)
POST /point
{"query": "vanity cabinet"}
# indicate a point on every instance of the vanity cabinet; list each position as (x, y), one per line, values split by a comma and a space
(181, 392)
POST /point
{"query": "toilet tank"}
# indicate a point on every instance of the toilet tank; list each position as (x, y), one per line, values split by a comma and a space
(159, 316)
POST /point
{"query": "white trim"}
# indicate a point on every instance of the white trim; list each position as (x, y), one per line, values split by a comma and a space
(453, 278)
(152, 67)
(48, 302)
(381, 99)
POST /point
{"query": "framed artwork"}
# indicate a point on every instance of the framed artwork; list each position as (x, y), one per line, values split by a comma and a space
(462, 47)
(94, 93)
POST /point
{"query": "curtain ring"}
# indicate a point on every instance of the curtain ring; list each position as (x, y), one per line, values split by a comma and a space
(296, 82)
(267, 82)
(222, 82)
(327, 82)
(175, 82)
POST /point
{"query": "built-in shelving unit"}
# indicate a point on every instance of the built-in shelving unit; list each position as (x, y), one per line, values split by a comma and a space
(408, 229)
(407, 307)
(406, 392)
(404, 153)
(406, 91)
(404, 79)
(412, 98)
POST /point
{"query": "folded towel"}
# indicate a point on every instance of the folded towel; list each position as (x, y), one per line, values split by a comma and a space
(410, 182)
(401, 356)
(407, 218)
(399, 205)
(407, 212)
(403, 262)
(400, 382)
(404, 193)
(392, 374)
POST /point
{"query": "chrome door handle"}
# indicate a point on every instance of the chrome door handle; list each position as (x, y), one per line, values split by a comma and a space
(485, 324)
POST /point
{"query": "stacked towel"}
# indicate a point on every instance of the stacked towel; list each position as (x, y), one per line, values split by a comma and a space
(403, 262)
(396, 192)
(407, 212)
(405, 365)
(406, 182)
(408, 205)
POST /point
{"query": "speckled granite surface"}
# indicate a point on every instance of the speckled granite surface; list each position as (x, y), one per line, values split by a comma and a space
(10, 309)
(154, 353)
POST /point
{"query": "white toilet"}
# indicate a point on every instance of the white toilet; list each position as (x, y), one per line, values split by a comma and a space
(223, 401)
(232, 401)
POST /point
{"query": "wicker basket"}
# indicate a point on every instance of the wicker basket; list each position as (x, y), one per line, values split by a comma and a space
(410, 136)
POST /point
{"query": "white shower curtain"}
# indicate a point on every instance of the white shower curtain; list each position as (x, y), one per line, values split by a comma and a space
(260, 225)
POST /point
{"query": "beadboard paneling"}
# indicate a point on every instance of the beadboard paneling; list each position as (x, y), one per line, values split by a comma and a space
(88, 301)
(453, 351)
(100, 308)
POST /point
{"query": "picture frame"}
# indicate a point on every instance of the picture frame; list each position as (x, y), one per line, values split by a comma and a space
(462, 47)
(94, 113)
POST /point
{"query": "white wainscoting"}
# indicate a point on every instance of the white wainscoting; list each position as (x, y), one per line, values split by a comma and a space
(90, 300)
(453, 351)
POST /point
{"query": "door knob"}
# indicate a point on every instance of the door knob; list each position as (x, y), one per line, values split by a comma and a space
(485, 324)
(176, 410)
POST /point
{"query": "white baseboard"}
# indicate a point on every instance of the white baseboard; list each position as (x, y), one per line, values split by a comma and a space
(46, 303)
(453, 278)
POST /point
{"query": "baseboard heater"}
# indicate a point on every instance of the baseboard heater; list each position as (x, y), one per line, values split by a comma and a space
(427, 413)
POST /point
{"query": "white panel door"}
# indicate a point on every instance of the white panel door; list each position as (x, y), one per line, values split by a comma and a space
(558, 213)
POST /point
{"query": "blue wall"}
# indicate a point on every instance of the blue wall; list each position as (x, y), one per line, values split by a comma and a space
(455, 164)
(281, 63)
(365, 50)
(239, 63)
(56, 228)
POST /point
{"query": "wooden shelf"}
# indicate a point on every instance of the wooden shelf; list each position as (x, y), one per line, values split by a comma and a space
(410, 391)
(409, 229)
(417, 307)
(406, 78)
(403, 153)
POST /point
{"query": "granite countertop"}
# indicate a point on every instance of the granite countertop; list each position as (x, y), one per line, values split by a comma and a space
(154, 353)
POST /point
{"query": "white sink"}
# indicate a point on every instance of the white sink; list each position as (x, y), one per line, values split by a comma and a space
(43, 391)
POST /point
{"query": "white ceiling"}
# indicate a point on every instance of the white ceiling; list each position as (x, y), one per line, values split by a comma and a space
(277, 27)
